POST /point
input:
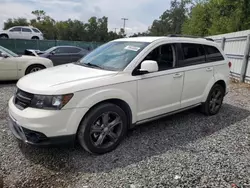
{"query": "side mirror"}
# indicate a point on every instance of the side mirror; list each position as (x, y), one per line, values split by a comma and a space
(4, 55)
(148, 66)
(52, 53)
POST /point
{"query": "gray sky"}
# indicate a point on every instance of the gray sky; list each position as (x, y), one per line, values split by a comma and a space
(140, 13)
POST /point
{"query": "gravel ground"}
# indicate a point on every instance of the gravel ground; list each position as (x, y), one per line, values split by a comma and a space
(184, 150)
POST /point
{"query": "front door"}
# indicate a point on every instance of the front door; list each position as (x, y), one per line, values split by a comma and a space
(160, 92)
(26, 33)
(60, 56)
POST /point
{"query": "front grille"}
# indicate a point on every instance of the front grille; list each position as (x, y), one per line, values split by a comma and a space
(22, 99)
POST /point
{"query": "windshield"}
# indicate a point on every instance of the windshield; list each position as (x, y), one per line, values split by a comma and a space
(114, 55)
(49, 50)
(8, 52)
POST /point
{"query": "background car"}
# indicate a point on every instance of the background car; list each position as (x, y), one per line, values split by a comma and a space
(21, 32)
(63, 54)
(13, 66)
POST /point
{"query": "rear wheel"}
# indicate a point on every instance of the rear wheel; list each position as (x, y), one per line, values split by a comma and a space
(35, 38)
(102, 129)
(214, 100)
(34, 68)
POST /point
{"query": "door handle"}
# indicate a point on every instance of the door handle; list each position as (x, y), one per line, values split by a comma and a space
(209, 69)
(177, 75)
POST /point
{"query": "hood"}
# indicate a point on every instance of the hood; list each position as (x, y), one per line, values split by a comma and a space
(63, 79)
(28, 58)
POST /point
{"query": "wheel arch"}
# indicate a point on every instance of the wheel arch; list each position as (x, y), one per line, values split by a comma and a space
(4, 34)
(32, 65)
(35, 37)
(211, 84)
(119, 102)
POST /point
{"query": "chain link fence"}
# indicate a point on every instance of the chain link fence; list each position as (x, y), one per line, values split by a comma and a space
(20, 45)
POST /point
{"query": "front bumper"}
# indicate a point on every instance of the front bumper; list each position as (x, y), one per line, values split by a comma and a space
(36, 138)
(44, 127)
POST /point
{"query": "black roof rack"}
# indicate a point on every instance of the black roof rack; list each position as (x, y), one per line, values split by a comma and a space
(188, 36)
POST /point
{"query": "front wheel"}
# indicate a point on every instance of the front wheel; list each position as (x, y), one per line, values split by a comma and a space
(214, 100)
(102, 129)
(34, 68)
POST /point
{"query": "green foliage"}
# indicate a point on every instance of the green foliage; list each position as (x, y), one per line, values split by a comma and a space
(96, 29)
(171, 21)
(15, 22)
(212, 17)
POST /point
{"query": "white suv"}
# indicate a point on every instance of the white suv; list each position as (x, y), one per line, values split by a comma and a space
(21, 32)
(121, 84)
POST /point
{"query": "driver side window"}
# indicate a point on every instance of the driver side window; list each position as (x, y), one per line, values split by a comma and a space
(164, 55)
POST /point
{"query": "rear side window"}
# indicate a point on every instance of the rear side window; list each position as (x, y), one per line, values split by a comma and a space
(15, 29)
(213, 54)
(192, 54)
(74, 50)
(26, 30)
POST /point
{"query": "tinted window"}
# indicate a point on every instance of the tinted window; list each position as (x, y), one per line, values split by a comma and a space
(16, 29)
(26, 30)
(213, 54)
(61, 50)
(74, 50)
(192, 54)
(35, 30)
(163, 55)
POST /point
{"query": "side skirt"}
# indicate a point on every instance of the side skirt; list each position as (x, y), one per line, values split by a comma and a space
(165, 115)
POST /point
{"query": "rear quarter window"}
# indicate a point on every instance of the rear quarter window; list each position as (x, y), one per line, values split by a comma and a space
(213, 54)
(35, 30)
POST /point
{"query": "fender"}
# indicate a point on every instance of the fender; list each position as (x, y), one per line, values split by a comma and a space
(94, 97)
(22, 67)
(217, 77)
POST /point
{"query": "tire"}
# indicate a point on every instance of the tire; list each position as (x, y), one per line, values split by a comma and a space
(4, 36)
(35, 38)
(34, 68)
(214, 100)
(102, 129)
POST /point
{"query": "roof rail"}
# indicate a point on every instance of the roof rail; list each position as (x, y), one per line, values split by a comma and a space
(189, 36)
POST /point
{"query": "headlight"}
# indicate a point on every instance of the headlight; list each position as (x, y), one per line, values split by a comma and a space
(50, 102)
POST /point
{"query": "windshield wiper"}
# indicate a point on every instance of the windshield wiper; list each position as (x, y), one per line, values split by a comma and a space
(93, 65)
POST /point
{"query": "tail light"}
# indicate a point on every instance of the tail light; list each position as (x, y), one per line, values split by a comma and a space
(229, 64)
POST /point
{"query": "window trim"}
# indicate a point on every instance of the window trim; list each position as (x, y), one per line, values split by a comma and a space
(181, 55)
(15, 28)
(135, 72)
(26, 31)
(211, 60)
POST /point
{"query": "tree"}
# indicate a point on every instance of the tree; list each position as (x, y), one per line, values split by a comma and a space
(210, 17)
(40, 14)
(15, 22)
(199, 21)
(171, 21)
(96, 29)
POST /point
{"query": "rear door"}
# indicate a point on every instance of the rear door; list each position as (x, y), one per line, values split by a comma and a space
(198, 73)
(75, 53)
(15, 33)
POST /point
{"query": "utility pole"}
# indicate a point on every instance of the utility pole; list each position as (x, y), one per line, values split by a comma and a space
(115, 29)
(124, 23)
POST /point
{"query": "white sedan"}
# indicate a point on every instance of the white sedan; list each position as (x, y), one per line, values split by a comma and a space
(13, 66)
